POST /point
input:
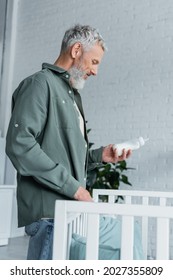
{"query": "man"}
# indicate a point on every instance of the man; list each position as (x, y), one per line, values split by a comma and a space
(47, 141)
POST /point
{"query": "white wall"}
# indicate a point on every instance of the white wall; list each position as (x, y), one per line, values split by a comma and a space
(132, 94)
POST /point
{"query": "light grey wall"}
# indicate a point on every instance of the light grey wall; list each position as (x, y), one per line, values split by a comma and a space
(132, 94)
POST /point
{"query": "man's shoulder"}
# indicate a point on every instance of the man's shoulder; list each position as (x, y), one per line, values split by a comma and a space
(41, 77)
(33, 85)
(43, 81)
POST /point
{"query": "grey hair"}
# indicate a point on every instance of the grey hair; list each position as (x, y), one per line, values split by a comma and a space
(85, 34)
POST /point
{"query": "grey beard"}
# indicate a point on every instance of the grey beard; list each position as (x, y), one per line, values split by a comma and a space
(76, 77)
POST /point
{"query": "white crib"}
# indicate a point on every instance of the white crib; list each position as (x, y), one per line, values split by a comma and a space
(145, 206)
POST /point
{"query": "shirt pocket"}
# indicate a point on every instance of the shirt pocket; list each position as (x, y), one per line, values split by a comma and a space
(65, 113)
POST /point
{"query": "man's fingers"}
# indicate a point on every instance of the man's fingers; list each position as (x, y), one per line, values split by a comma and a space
(82, 195)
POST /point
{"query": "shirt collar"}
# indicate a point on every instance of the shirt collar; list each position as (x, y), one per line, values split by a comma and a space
(64, 73)
(59, 70)
(53, 67)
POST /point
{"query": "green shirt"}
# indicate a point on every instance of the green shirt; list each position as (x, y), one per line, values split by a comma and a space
(45, 143)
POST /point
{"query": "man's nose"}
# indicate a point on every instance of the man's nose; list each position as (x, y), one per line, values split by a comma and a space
(94, 70)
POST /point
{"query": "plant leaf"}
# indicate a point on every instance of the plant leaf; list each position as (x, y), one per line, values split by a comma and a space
(124, 179)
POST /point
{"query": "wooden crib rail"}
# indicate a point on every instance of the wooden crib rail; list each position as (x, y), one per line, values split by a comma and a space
(128, 194)
(142, 197)
(93, 210)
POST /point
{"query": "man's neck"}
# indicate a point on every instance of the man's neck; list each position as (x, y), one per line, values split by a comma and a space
(64, 61)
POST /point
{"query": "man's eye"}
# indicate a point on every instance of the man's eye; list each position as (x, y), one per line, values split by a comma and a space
(94, 62)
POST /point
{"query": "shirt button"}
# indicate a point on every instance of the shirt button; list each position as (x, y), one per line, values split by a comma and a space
(85, 145)
(16, 125)
(63, 101)
(69, 91)
(67, 76)
(84, 179)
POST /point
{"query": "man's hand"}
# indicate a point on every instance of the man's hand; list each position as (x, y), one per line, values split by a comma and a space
(83, 195)
(111, 155)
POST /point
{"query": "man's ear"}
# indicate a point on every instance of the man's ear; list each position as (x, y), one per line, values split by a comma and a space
(76, 50)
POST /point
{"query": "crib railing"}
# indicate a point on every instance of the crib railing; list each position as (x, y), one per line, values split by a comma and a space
(78, 217)
(142, 198)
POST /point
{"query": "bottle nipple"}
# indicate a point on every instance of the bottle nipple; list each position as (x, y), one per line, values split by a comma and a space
(142, 140)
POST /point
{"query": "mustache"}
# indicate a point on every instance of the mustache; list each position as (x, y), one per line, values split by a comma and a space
(76, 72)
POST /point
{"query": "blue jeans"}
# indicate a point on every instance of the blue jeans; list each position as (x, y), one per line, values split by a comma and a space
(41, 239)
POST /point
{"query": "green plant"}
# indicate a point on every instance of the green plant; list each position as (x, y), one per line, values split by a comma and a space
(106, 175)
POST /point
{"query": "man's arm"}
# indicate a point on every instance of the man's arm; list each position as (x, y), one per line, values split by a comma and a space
(107, 154)
(26, 124)
(103, 154)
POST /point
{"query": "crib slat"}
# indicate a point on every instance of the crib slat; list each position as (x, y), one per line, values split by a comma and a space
(111, 198)
(162, 201)
(92, 237)
(128, 199)
(145, 201)
(85, 224)
(162, 239)
(78, 225)
(81, 221)
(69, 235)
(127, 238)
(59, 248)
